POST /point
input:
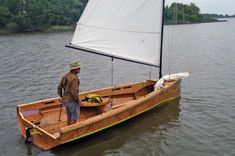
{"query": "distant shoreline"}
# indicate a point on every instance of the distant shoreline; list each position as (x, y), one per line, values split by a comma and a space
(71, 28)
(44, 16)
(217, 21)
(52, 29)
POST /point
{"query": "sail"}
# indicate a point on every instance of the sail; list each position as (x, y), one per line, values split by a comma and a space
(129, 29)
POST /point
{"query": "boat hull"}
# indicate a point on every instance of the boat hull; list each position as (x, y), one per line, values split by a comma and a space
(119, 113)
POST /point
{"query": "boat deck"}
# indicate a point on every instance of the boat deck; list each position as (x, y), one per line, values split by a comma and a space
(51, 121)
(47, 121)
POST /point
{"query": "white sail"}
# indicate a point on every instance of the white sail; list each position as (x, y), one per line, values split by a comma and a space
(129, 29)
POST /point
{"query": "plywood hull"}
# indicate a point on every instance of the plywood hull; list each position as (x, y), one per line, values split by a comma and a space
(127, 102)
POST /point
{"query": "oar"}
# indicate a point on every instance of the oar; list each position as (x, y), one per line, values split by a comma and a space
(60, 111)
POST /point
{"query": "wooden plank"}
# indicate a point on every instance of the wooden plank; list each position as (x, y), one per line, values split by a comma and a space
(129, 101)
(155, 99)
(111, 113)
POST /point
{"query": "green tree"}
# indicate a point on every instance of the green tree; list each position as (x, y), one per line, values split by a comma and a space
(181, 13)
(20, 23)
(5, 15)
(36, 11)
(38, 15)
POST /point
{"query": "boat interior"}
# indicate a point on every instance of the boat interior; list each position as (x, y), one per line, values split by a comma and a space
(50, 116)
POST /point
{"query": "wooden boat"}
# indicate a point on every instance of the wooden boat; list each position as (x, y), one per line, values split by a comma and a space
(129, 30)
(41, 118)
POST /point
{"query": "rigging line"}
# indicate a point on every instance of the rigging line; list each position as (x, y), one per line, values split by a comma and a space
(150, 73)
(112, 81)
(175, 12)
(170, 38)
(183, 11)
(112, 72)
(168, 45)
(142, 32)
(172, 35)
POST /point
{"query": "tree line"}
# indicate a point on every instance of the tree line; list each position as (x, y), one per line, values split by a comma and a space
(39, 15)
(218, 16)
(179, 13)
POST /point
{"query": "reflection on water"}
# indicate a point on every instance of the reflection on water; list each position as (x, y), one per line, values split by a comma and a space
(118, 139)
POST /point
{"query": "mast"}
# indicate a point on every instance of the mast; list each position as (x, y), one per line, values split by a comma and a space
(161, 46)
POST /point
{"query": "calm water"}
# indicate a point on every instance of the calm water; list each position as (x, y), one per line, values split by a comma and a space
(201, 123)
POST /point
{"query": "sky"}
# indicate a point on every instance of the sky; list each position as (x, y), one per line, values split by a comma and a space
(211, 6)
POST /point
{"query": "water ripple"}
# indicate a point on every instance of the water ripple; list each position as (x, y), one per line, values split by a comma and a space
(202, 123)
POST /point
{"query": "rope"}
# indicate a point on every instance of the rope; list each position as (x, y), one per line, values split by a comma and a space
(112, 72)
(112, 80)
(150, 73)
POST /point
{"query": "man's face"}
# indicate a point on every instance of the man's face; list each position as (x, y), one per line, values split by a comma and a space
(78, 70)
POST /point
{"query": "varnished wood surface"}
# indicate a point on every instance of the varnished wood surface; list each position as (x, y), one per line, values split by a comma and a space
(49, 119)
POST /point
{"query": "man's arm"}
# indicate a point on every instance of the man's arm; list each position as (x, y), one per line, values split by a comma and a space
(60, 87)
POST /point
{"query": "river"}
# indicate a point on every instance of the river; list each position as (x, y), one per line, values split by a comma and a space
(200, 123)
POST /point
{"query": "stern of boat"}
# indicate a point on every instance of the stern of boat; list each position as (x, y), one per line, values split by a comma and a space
(29, 119)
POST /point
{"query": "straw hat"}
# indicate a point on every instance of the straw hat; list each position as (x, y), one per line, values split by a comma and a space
(74, 65)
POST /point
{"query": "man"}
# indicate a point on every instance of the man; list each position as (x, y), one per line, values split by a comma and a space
(68, 89)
